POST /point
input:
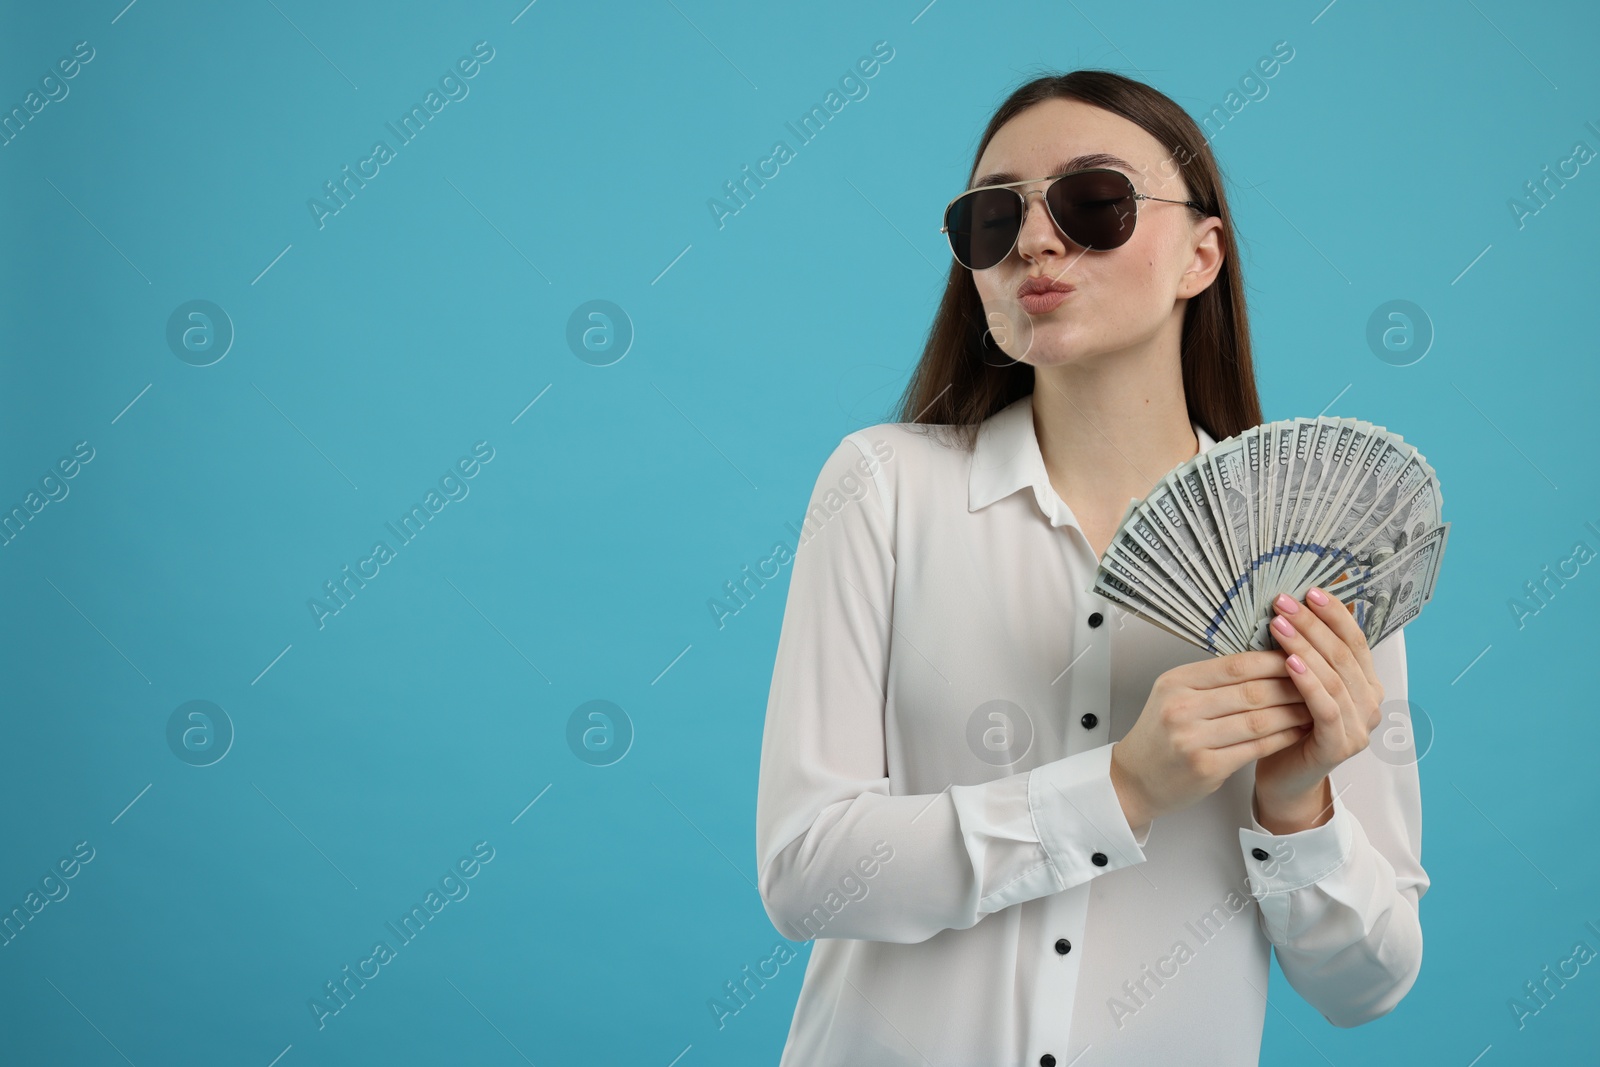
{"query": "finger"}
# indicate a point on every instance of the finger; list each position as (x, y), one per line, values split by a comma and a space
(1290, 636)
(1256, 723)
(1334, 646)
(1243, 696)
(1261, 747)
(1231, 669)
(1352, 689)
(1327, 712)
(1342, 621)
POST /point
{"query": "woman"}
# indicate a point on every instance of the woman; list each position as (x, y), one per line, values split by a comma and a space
(1019, 823)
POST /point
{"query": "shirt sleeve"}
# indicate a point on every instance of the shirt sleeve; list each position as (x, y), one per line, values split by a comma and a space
(1339, 901)
(838, 854)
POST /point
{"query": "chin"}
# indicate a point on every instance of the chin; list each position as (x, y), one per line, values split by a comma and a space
(1054, 344)
(1055, 359)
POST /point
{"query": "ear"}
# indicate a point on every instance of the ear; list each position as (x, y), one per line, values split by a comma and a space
(1206, 260)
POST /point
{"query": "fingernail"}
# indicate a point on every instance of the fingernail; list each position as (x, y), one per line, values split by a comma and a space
(1286, 604)
(1283, 626)
(1297, 664)
(1317, 596)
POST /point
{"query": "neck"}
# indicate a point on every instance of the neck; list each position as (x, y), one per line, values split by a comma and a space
(1111, 427)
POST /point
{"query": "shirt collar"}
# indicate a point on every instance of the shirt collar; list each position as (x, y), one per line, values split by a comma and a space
(1007, 457)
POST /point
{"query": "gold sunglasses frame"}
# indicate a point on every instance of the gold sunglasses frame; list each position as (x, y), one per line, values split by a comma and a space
(1133, 194)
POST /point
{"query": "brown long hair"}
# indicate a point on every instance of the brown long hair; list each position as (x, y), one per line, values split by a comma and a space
(958, 382)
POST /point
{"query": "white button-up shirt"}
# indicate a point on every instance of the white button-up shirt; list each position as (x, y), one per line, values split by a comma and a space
(936, 812)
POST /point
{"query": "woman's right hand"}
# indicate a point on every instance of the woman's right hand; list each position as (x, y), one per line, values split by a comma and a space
(1203, 721)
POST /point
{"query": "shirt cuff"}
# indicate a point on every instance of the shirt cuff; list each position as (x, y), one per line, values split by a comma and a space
(1079, 820)
(1279, 863)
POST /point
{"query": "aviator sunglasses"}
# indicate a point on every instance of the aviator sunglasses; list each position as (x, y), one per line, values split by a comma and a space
(1095, 208)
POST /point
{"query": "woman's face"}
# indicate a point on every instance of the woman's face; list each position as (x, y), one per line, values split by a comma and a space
(1122, 297)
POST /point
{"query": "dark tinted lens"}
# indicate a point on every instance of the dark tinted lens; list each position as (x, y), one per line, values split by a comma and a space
(1094, 207)
(983, 225)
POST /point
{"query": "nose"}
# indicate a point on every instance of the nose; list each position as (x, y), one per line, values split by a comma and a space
(1039, 236)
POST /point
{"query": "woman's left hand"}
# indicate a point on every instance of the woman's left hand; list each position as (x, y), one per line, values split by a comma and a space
(1330, 663)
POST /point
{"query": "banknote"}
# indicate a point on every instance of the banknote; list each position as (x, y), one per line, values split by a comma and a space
(1335, 502)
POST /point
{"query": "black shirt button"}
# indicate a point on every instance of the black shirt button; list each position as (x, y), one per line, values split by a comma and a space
(1096, 619)
(1098, 859)
(1259, 853)
(1090, 720)
(1047, 1060)
(1063, 946)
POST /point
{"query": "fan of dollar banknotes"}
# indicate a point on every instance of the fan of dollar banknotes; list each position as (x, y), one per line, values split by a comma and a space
(1331, 502)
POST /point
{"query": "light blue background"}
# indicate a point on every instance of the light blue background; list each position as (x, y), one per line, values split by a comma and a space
(372, 753)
